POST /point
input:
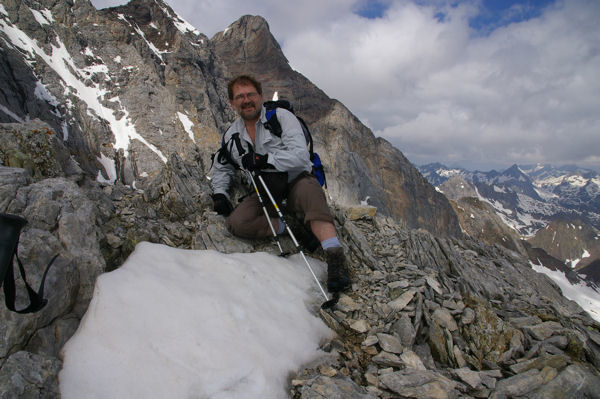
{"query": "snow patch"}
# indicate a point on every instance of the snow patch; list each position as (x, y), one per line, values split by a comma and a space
(43, 94)
(43, 17)
(11, 114)
(585, 296)
(187, 125)
(110, 169)
(174, 323)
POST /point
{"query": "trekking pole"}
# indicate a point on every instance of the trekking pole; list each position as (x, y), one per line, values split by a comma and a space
(326, 304)
(264, 207)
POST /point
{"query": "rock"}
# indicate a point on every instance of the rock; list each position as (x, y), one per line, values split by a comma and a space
(347, 304)
(412, 361)
(401, 302)
(444, 318)
(404, 329)
(543, 330)
(419, 384)
(468, 316)
(360, 212)
(387, 359)
(27, 375)
(519, 384)
(389, 343)
(555, 361)
(360, 326)
(469, 376)
(575, 381)
(333, 388)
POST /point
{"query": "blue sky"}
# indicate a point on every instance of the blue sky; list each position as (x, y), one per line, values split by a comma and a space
(475, 83)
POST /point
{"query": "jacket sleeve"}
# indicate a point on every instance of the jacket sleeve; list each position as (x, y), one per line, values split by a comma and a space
(293, 155)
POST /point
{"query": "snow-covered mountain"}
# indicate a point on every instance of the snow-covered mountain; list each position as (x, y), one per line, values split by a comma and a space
(528, 197)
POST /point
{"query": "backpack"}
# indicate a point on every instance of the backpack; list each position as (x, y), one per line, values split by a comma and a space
(274, 127)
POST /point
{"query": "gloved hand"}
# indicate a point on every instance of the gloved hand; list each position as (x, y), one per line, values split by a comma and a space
(252, 161)
(221, 204)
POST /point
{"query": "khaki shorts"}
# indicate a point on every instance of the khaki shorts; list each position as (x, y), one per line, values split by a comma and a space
(305, 196)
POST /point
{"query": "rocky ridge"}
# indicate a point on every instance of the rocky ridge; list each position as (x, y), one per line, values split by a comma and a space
(444, 318)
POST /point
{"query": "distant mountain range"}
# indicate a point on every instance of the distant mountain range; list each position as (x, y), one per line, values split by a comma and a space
(553, 208)
(526, 197)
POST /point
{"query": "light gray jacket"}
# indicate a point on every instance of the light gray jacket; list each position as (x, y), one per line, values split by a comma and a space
(288, 153)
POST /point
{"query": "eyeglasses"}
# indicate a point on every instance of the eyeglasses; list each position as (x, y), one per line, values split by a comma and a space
(249, 96)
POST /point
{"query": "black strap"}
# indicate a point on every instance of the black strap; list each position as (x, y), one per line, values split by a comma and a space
(36, 299)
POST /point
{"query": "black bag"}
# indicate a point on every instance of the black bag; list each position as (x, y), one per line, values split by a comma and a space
(10, 231)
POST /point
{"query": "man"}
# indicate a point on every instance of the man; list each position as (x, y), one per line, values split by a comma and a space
(285, 165)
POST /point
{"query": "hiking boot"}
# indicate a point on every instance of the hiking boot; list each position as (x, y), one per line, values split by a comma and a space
(338, 278)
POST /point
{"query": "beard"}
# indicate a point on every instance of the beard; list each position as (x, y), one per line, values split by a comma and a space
(250, 111)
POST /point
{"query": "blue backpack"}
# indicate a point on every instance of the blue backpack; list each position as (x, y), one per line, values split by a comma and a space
(274, 127)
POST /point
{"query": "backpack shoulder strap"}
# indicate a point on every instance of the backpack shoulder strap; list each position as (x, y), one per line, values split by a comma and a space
(223, 154)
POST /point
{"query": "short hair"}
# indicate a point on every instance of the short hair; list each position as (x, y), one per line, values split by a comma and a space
(243, 80)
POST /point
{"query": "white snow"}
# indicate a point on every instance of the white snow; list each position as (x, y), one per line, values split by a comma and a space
(154, 49)
(448, 172)
(585, 296)
(43, 17)
(187, 125)
(109, 168)
(577, 181)
(42, 93)
(173, 323)
(586, 254)
(11, 114)
(3, 10)
(65, 130)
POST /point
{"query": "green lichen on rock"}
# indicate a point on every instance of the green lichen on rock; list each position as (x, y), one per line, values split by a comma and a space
(29, 146)
(489, 336)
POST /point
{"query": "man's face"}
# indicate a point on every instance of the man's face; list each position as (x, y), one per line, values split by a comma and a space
(246, 102)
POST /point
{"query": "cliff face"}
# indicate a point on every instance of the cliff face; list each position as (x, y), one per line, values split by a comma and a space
(125, 88)
(358, 164)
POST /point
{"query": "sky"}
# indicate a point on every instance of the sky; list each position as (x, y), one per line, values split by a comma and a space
(481, 84)
(176, 323)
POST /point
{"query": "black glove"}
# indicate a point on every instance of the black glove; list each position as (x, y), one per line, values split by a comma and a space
(221, 204)
(252, 161)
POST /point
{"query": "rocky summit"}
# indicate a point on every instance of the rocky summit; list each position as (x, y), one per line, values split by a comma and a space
(108, 119)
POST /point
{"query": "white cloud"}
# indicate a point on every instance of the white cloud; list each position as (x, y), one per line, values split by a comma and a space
(420, 77)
